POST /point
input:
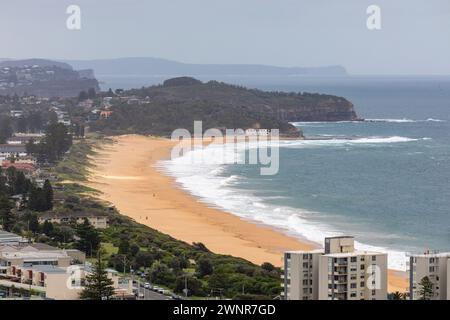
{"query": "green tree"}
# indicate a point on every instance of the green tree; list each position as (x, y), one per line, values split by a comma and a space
(33, 223)
(204, 267)
(98, 285)
(47, 228)
(48, 195)
(36, 199)
(124, 247)
(7, 218)
(89, 238)
(268, 266)
(5, 129)
(426, 289)
(161, 274)
(194, 286)
(56, 143)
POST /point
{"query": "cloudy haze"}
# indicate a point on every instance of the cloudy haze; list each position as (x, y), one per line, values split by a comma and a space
(414, 39)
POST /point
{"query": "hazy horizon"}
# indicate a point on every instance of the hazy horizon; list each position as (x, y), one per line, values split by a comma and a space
(288, 33)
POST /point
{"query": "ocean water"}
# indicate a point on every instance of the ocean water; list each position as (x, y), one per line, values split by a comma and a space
(389, 186)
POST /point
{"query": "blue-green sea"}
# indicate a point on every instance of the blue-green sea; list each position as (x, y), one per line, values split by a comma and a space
(389, 186)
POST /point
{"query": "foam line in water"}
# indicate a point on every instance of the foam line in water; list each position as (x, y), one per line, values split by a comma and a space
(206, 182)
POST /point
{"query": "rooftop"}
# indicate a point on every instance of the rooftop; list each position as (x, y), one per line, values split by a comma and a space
(48, 269)
(432, 255)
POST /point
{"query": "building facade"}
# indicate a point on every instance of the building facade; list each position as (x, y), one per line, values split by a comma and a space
(435, 266)
(339, 272)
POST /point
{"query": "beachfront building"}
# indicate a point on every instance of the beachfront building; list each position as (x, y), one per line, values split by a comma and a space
(435, 266)
(339, 272)
(97, 221)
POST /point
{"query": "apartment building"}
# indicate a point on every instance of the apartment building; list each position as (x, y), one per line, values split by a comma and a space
(435, 266)
(30, 255)
(338, 272)
(97, 221)
(59, 283)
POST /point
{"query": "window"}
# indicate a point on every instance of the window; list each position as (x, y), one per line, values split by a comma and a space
(362, 267)
(305, 256)
(354, 259)
(353, 294)
(305, 265)
(431, 269)
(374, 258)
(305, 282)
(353, 285)
(374, 292)
(361, 284)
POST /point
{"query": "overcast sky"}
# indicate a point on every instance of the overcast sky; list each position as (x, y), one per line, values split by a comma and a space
(414, 39)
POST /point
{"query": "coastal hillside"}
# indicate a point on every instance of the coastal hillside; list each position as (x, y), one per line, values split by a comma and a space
(44, 78)
(179, 101)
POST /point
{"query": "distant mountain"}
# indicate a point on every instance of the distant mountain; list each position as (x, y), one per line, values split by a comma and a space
(156, 66)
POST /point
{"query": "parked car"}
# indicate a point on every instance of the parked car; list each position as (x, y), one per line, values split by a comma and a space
(147, 285)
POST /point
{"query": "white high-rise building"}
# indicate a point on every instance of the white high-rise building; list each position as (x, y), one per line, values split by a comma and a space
(339, 272)
(435, 266)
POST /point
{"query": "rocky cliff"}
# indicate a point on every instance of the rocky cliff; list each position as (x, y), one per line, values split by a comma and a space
(44, 78)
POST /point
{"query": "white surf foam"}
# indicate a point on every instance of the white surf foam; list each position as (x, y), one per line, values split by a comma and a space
(205, 181)
(403, 120)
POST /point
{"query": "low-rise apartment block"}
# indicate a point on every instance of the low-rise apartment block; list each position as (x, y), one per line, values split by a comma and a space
(97, 221)
(435, 266)
(339, 272)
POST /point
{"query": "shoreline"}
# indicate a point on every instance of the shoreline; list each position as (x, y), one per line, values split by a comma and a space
(127, 175)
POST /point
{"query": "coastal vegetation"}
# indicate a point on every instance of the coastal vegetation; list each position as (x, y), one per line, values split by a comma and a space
(130, 247)
(159, 110)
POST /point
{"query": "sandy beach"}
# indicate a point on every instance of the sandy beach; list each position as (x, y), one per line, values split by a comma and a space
(126, 174)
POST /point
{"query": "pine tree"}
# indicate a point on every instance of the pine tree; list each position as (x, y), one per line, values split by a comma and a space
(426, 289)
(48, 195)
(89, 240)
(6, 216)
(98, 285)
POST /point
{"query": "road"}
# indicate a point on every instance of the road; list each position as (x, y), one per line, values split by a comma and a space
(152, 295)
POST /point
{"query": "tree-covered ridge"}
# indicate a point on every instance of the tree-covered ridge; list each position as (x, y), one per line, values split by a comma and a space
(178, 102)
